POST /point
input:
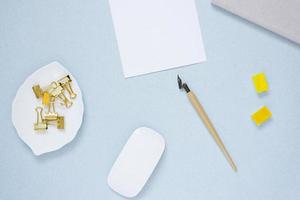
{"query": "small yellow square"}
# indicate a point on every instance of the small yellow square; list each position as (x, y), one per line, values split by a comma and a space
(261, 116)
(260, 82)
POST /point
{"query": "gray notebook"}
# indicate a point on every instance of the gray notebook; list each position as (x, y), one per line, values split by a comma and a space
(279, 16)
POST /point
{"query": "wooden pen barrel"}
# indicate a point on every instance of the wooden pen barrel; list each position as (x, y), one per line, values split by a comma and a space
(201, 112)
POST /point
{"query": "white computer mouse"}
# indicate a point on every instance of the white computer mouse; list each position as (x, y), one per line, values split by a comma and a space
(136, 162)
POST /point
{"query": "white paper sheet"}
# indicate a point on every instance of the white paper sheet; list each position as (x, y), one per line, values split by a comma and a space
(155, 35)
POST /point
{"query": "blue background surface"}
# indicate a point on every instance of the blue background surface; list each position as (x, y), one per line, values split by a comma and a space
(80, 35)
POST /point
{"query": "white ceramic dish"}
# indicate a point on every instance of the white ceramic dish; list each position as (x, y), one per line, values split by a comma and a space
(24, 115)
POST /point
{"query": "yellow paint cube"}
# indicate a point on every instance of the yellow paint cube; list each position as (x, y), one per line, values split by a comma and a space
(261, 116)
(260, 82)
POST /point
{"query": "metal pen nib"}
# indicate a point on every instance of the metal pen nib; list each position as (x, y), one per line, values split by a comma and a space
(182, 85)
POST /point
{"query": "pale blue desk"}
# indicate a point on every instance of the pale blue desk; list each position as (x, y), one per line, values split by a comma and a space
(80, 35)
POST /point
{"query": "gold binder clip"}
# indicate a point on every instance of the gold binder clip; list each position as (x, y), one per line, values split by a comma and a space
(55, 89)
(40, 124)
(65, 101)
(58, 91)
(65, 82)
(37, 90)
(51, 114)
(46, 99)
(60, 124)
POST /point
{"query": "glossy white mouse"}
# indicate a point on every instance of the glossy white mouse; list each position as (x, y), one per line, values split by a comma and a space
(136, 162)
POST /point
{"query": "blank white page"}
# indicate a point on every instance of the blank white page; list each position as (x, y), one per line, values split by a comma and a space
(155, 35)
